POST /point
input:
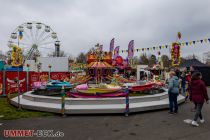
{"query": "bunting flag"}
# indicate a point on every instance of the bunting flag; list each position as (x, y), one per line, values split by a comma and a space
(131, 49)
(205, 40)
(111, 46)
(116, 51)
(20, 35)
(188, 43)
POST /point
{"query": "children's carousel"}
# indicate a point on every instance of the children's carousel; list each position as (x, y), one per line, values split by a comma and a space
(102, 90)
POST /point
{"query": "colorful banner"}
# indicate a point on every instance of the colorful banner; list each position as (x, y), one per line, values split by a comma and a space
(131, 49)
(12, 87)
(111, 45)
(175, 54)
(116, 51)
(64, 76)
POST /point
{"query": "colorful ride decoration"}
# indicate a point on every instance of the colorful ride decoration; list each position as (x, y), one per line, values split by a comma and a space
(16, 56)
(175, 54)
(119, 61)
(77, 67)
(98, 95)
(103, 56)
(99, 63)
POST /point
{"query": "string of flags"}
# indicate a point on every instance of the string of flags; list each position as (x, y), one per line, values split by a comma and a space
(189, 43)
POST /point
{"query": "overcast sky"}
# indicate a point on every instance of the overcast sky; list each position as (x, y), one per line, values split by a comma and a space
(80, 24)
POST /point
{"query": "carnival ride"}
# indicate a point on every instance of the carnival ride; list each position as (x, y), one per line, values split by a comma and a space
(34, 38)
(101, 80)
(101, 90)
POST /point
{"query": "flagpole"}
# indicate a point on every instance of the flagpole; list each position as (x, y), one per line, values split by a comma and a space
(18, 81)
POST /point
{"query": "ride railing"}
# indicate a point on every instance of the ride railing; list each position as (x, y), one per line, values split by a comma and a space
(126, 96)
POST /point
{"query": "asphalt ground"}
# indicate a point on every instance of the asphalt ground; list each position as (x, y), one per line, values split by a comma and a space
(153, 125)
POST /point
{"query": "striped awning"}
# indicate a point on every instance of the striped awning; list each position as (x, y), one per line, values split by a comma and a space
(99, 65)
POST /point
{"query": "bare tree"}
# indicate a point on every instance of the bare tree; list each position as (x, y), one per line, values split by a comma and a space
(144, 60)
(53, 54)
(3, 56)
(152, 60)
(166, 61)
(81, 58)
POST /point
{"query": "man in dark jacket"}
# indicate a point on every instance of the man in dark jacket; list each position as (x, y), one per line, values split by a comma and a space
(198, 94)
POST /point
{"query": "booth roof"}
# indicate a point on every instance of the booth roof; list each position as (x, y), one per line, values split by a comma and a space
(192, 62)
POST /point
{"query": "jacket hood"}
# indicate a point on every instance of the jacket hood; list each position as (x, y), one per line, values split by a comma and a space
(175, 78)
(196, 82)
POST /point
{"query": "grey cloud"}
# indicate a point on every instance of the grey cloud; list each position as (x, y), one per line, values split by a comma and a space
(81, 24)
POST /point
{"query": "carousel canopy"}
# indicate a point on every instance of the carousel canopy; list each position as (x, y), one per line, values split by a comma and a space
(99, 65)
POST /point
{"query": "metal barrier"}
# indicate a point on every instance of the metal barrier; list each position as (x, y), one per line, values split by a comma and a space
(63, 101)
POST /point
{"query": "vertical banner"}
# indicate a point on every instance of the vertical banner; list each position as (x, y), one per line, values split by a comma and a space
(11, 86)
(175, 54)
(116, 51)
(131, 49)
(111, 45)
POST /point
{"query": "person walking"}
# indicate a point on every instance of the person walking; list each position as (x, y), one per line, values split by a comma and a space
(173, 92)
(198, 95)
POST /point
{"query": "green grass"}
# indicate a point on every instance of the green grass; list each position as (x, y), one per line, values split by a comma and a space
(10, 112)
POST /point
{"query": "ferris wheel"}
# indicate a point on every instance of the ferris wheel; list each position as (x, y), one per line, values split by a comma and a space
(35, 38)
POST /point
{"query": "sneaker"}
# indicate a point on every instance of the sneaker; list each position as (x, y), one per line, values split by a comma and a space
(171, 112)
(194, 123)
(202, 121)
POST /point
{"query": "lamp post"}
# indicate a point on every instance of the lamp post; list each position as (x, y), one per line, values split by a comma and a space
(49, 66)
(39, 66)
(20, 29)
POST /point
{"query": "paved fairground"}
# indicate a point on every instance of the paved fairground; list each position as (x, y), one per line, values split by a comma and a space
(155, 125)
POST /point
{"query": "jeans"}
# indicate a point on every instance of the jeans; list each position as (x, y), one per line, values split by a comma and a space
(198, 108)
(183, 91)
(173, 106)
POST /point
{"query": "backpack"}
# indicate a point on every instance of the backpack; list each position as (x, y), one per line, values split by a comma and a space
(175, 89)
